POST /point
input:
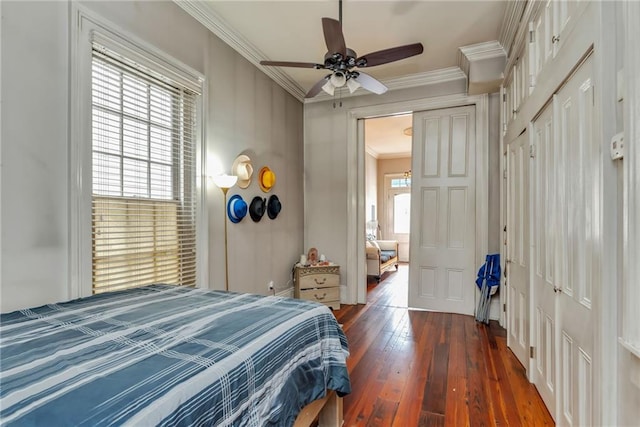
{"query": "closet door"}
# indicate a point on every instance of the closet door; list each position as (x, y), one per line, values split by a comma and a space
(577, 219)
(544, 284)
(517, 262)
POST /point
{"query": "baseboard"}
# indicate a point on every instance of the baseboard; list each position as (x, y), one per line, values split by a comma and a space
(288, 293)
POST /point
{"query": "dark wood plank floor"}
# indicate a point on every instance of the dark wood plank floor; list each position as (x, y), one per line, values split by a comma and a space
(418, 368)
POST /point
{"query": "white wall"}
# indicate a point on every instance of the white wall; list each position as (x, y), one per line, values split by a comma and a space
(246, 112)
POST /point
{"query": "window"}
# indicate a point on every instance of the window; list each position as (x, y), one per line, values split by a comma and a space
(143, 176)
(401, 182)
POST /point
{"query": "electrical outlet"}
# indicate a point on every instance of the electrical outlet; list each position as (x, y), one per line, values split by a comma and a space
(617, 146)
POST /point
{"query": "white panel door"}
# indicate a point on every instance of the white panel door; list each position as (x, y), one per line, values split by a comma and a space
(544, 287)
(442, 266)
(577, 150)
(517, 262)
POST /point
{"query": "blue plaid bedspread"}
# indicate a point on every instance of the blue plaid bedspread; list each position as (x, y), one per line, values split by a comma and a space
(167, 355)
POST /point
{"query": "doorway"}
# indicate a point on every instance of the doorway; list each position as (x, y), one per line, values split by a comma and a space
(387, 165)
(356, 207)
(397, 210)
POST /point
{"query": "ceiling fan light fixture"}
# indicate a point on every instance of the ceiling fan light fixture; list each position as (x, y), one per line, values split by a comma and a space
(352, 84)
(329, 88)
(338, 79)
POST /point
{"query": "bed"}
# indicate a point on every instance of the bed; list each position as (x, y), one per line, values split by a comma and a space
(168, 355)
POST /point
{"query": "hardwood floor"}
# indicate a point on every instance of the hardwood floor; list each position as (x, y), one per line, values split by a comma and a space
(419, 368)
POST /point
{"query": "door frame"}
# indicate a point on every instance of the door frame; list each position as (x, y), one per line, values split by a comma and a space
(355, 178)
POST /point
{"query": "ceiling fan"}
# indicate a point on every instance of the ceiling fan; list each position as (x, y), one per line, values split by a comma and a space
(342, 61)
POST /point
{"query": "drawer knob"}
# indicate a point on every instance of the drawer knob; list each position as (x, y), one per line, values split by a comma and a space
(324, 295)
(320, 282)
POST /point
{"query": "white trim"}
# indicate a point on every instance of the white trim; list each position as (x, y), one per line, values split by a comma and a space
(80, 274)
(511, 23)
(404, 82)
(287, 293)
(479, 52)
(202, 210)
(631, 181)
(503, 214)
(355, 178)
(204, 13)
(399, 155)
(373, 153)
(85, 28)
(607, 244)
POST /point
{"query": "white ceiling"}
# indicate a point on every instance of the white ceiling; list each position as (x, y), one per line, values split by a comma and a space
(385, 138)
(291, 30)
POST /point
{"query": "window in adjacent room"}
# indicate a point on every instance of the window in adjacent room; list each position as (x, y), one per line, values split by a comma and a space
(143, 176)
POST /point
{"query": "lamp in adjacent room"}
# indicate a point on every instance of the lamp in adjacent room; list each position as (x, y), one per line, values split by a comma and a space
(372, 230)
(225, 182)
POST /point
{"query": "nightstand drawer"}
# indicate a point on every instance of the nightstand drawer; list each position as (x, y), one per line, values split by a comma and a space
(319, 280)
(321, 295)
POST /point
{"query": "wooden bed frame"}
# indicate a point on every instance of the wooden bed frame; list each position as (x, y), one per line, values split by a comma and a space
(328, 410)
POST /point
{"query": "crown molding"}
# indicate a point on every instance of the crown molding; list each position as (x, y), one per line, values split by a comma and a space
(405, 82)
(510, 23)
(203, 12)
(370, 151)
(386, 156)
(398, 155)
(479, 52)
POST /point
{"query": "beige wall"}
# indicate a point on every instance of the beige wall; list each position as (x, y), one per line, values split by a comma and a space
(246, 112)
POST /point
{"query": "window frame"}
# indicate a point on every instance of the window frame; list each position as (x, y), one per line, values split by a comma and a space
(86, 30)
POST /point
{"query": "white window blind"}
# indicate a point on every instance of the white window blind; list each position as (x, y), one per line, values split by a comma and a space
(143, 177)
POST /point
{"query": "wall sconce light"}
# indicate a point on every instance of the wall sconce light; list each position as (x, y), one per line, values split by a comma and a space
(225, 182)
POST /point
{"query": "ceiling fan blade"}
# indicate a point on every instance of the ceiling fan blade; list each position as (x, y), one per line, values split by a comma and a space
(292, 64)
(333, 36)
(369, 83)
(317, 87)
(389, 55)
